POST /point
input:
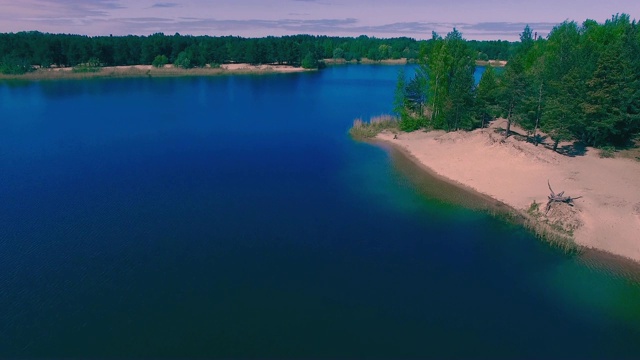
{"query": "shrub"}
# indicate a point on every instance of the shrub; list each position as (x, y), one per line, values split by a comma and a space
(160, 61)
(92, 65)
(14, 66)
(607, 152)
(183, 61)
(362, 129)
(309, 62)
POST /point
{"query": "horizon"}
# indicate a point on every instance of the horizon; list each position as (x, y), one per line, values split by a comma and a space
(335, 18)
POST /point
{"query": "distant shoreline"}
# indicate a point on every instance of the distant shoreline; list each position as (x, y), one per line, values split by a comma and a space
(403, 61)
(150, 71)
(135, 71)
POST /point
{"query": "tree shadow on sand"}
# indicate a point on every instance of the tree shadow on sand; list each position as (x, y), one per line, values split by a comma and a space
(577, 148)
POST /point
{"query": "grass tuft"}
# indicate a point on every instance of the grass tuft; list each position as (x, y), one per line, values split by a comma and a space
(607, 152)
(366, 130)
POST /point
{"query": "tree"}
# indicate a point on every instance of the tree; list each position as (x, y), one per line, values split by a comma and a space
(461, 83)
(14, 66)
(309, 61)
(183, 61)
(435, 64)
(487, 107)
(338, 53)
(160, 61)
(512, 91)
(400, 95)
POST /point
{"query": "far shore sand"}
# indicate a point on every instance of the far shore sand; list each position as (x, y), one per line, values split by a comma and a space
(404, 61)
(171, 71)
(515, 172)
(150, 71)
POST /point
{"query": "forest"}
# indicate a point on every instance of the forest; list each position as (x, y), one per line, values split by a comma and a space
(24, 51)
(581, 83)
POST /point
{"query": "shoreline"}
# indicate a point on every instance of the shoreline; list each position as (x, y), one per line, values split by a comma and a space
(402, 61)
(139, 71)
(435, 154)
(473, 199)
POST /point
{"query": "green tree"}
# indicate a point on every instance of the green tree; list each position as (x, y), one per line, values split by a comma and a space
(561, 113)
(309, 61)
(435, 63)
(338, 53)
(10, 65)
(487, 95)
(400, 95)
(461, 83)
(183, 61)
(449, 68)
(160, 61)
(512, 91)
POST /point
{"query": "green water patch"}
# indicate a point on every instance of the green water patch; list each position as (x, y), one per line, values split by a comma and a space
(450, 197)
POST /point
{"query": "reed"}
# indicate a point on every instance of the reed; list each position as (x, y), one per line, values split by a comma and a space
(369, 129)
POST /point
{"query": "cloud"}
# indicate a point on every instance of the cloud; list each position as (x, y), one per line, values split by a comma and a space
(337, 27)
(511, 26)
(165, 5)
(105, 16)
(68, 9)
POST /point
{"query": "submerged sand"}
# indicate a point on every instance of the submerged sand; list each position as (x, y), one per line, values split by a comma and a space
(515, 172)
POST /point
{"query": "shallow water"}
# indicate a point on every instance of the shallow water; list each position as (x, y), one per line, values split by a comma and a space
(233, 216)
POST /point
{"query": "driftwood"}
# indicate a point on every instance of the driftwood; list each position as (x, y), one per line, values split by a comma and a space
(559, 197)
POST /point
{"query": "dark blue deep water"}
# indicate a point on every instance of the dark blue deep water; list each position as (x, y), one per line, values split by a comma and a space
(233, 216)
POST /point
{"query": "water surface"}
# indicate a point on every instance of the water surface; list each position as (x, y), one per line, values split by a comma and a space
(233, 216)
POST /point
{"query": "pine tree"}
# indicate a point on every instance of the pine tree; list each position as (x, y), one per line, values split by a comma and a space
(486, 104)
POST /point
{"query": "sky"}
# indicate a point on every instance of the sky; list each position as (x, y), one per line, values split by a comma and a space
(479, 20)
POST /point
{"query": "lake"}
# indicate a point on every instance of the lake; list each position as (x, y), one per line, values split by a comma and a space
(233, 216)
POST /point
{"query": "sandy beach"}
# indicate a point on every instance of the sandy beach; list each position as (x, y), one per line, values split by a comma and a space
(515, 172)
(150, 71)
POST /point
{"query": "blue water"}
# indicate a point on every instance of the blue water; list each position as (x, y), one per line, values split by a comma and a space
(233, 216)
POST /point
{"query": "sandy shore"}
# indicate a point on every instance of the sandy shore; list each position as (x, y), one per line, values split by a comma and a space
(401, 61)
(516, 172)
(150, 71)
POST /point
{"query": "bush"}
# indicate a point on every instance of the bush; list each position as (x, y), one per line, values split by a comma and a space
(92, 65)
(14, 66)
(160, 61)
(607, 152)
(411, 123)
(309, 62)
(183, 61)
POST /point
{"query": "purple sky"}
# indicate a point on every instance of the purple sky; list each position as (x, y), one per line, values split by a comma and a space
(487, 19)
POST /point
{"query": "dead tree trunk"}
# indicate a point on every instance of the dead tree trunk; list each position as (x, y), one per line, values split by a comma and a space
(553, 197)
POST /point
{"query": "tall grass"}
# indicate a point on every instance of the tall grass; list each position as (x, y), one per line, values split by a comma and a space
(369, 129)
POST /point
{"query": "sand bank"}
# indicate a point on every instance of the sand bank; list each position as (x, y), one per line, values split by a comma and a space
(516, 172)
(150, 71)
(404, 61)
(366, 61)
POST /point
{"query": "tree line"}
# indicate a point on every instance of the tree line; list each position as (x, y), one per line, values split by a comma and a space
(580, 83)
(21, 52)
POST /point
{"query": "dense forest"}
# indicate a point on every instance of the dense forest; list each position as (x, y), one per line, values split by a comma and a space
(21, 52)
(580, 83)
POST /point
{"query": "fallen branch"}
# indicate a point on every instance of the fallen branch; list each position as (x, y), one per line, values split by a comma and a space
(553, 197)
